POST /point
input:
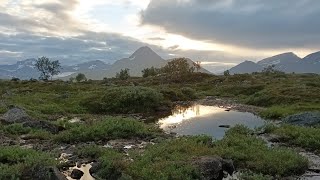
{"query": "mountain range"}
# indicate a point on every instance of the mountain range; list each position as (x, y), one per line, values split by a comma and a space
(145, 57)
(286, 62)
(142, 58)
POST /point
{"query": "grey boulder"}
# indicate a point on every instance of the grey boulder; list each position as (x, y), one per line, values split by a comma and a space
(304, 119)
(214, 168)
(15, 115)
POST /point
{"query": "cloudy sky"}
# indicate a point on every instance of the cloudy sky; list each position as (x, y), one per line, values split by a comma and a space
(217, 32)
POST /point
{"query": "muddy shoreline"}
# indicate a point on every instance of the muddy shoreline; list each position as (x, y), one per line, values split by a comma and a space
(230, 104)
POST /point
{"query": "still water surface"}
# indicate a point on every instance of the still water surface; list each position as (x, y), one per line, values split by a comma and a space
(199, 119)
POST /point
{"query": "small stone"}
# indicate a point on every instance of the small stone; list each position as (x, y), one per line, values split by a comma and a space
(128, 146)
(76, 174)
(26, 137)
(108, 146)
(27, 146)
(212, 168)
(95, 167)
(225, 126)
(78, 165)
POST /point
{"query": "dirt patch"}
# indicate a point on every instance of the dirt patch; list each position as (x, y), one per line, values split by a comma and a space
(229, 104)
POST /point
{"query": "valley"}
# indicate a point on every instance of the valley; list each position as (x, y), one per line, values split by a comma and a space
(112, 125)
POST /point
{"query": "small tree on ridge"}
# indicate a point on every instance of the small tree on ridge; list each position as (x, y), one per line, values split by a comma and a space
(81, 77)
(47, 68)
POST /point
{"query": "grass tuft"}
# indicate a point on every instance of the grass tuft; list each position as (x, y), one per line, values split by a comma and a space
(110, 128)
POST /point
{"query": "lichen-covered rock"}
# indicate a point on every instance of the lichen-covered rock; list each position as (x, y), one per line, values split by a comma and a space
(15, 115)
(304, 119)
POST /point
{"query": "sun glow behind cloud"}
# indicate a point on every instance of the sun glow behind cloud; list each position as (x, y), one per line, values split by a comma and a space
(123, 17)
(94, 29)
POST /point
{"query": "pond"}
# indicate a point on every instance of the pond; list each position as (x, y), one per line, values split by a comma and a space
(200, 119)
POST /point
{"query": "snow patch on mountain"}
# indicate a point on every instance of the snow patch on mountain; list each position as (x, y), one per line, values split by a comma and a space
(92, 66)
(64, 74)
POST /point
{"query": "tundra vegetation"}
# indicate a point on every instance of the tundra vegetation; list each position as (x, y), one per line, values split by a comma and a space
(81, 77)
(107, 110)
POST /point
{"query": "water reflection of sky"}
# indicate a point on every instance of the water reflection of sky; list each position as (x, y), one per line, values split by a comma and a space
(181, 114)
(200, 119)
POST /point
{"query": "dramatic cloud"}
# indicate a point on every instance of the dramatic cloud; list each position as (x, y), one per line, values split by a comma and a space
(90, 46)
(50, 28)
(254, 24)
(218, 32)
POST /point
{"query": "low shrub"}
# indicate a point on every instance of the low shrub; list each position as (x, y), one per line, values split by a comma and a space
(189, 93)
(276, 112)
(253, 176)
(17, 163)
(15, 129)
(125, 100)
(171, 159)
(90, 151)
(111, 128)
(18, 129)
(111, 163)
(282, 111)
(3, 109)
(172, 94)
(305, 137)
(245, 89)
(267, 98)
(249, 152)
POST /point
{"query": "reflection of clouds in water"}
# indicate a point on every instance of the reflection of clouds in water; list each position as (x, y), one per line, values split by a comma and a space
(182, 113)
(206, 120)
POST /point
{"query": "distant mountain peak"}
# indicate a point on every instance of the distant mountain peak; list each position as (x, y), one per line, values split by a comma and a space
(30, 61)
(280, 60)
(313, 58)
(286, 54)
(286, 62)
(144, 51)
(246, 67)
(248, 62)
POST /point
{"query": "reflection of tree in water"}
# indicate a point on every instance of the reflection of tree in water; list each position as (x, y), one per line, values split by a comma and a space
(182, 109)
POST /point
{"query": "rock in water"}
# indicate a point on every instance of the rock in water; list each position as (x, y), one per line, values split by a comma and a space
(15, 115)
(57, 175)
(225, 126)
(76, 174)
(304, 119)
(95, 168)
(212, 168)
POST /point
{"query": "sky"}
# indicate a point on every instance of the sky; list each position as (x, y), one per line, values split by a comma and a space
(219, 33)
